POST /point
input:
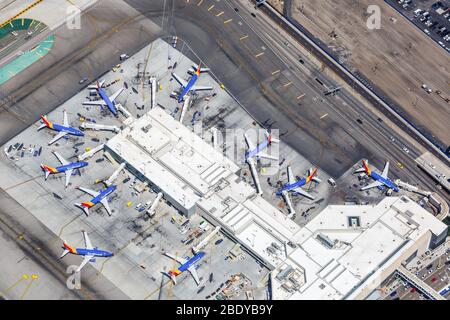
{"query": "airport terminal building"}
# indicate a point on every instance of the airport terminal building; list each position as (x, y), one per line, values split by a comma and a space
(343, 253)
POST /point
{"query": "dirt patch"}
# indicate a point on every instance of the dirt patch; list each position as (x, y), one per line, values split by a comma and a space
(277, 4)
(398, 58)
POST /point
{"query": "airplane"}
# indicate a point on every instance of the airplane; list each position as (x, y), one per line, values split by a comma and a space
(190, 85)
(256, 152)
(67, 167)
(108, 101)
(63, 130)
(99, 197)
(294, 185)
(381, 181)
(186, 264)
(89, 252)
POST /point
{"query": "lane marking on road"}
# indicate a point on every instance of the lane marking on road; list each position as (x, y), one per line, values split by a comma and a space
(287, 84)
(210, 8)
(300, 96)
(220, 13)
(200, 3)
(326, 114)
(227, 21)
(276, 71)
(259, 54)
(243, 37)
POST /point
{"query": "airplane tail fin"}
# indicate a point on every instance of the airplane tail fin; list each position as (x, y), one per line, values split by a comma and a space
(67, 249)
(46, 123)
(47, 170)
(313, 175)
(173, 275)
(198, 69)
(270, 138)
(85, 206)
(366, 166)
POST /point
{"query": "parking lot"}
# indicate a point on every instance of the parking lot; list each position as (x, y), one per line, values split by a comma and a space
(432, 17)
(434, 272)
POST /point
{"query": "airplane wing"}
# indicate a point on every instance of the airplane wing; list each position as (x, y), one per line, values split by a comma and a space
(104, 202)
(291, 177)
(385, 172)
(87, 241)
(60, 158)
(84, 262)
(179, 80)
(65, 120)
(250, 144)
(89, 191)
(100, 103)
(180, 260)
(266, 156)
(303, 193)
(372, 185)
(68, 175)
(193, 272)
(201, 88)
(116, 94)
(57, 137)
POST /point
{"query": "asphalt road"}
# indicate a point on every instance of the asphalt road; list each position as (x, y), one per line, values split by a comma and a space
(246, 53)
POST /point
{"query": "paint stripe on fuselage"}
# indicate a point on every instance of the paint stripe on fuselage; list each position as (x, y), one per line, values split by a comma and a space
(188, 87)
(94, 252)
(258, 149)
(73, 165)
(69, 130)
(191, 261)
(108, 102)
(386, 182)
(103, 194)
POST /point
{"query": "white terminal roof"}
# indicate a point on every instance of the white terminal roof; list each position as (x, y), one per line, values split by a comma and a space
(336, 252)
(171, 156)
